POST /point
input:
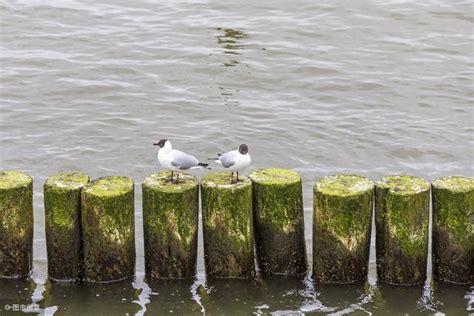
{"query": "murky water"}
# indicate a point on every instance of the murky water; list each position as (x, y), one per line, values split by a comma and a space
(370, 87)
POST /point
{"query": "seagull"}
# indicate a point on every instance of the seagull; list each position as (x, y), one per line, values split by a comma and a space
(176, 160)
(235, 160)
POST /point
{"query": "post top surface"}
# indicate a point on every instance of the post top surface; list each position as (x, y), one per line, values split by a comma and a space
(109, 186)
(223, 180)
(455, 183)
(275, 176)
(403, 184)
(343, 185)
(12, 179)
(68, 180)
(161, 181)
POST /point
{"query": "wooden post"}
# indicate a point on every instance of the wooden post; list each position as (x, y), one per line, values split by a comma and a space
(170, 225)
(342, 217)
(401, 214)
(108, 229)
(16, 224)
(453, 229)
(279, 222)
(227, 227)
(62, 205)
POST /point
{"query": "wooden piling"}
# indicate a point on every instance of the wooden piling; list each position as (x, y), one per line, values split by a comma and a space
(227, 226)
(342, 217)
(170, 225)
(16, 224)
(62, 205)
(401, 214)
(108, 229)
(453, 229)
(279, 222)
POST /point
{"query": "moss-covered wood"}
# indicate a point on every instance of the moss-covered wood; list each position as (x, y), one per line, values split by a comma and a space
(453, 229)
(170, 225)
(401, 218)
(62, 205)
(279, 221)
(108, 229)
(16, 224)
(227, 227)
(342, 216)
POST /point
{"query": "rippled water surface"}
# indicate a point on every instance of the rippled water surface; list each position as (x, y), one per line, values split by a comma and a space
(322, 87)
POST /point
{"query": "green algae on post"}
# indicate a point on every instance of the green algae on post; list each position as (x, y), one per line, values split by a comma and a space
(227, 226)
(170, 225)
(108, 229)
(401, 218)
(453, 229)
(62, 205)
(16, 224)
(342, 217)
(279, 222)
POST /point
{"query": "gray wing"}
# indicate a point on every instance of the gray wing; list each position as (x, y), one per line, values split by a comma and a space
(227, 159)
(183, 161)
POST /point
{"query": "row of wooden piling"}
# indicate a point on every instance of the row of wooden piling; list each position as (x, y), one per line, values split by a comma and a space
(90, 229)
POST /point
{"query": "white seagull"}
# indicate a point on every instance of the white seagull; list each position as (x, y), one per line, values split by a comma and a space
(235, 160)
(176, 160)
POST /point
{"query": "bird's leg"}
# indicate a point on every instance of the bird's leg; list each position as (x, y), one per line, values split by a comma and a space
(237, 176)
(231, 178)
(177, 177)
(171, 178)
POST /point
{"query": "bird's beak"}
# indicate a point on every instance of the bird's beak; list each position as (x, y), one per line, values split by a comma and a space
(155, 144)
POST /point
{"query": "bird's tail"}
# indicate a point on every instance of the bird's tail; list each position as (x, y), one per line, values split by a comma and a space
(204, 165)
(216, 159)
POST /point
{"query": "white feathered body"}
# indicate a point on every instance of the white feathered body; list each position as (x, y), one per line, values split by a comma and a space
(176, 160)
(234, 161)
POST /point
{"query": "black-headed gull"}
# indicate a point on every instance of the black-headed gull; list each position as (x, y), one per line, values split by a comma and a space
(176, 160)
(235, 160)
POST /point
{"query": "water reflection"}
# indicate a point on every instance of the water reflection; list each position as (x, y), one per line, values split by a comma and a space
(231, 63)
(275, 294)
(424, 299)
(227, 94)
(172, 296)
(285, 293)
(102, 299)
(387, 298)
(14, 291)
(453, 299)
(344, 298)
(145, 292)
(230, 42)
(225, 296)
